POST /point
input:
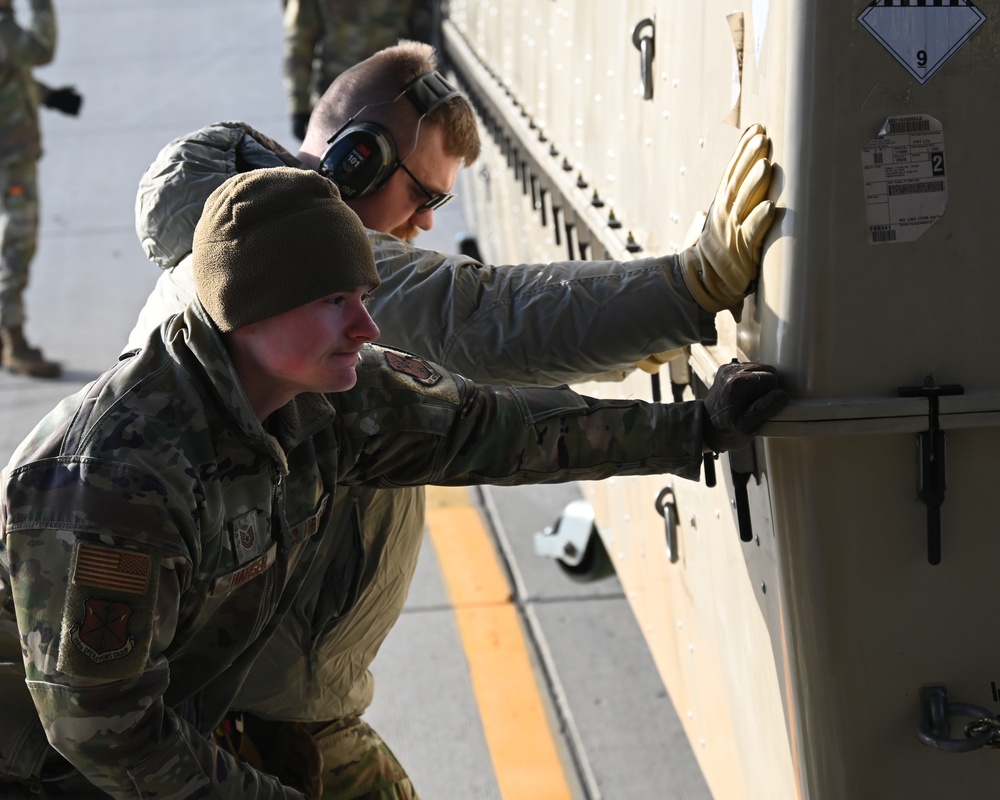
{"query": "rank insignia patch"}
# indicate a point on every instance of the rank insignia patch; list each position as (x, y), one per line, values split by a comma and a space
(248, 534)
(416, 368)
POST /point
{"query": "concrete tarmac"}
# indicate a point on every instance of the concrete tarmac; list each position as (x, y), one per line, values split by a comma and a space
(150, 71)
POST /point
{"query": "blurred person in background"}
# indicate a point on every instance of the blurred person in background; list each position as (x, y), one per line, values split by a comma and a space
(323, 38)
(22, 48)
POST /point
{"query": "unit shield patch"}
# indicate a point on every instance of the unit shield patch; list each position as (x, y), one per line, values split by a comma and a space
(416, 368)
(103, 634)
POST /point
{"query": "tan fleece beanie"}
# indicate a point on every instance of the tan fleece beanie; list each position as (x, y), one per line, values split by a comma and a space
(271, 240)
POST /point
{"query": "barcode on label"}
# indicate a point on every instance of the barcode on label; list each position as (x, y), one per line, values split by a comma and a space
(915, 188)
(879, 236)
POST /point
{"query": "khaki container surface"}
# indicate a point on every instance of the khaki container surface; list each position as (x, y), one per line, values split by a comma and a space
(820, 615)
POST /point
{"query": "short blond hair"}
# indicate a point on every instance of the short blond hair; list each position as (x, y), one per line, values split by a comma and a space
(380, 78)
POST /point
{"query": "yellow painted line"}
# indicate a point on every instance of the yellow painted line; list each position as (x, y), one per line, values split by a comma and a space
(521, 743)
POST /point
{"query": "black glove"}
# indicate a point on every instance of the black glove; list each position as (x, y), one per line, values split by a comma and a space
(300, 121)
(742, 398)
(66, 99)
(284, 749)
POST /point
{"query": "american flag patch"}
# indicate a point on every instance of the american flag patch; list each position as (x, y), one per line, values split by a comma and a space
(108, 568)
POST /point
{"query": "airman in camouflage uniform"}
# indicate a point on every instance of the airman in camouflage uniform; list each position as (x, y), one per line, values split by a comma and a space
(21, 49)
(325, 37)
(153, 523)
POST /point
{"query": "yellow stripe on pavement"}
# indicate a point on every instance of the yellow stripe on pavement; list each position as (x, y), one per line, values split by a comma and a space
(524, 754)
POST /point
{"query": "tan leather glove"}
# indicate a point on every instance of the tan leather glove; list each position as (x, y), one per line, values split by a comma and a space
(720, 268)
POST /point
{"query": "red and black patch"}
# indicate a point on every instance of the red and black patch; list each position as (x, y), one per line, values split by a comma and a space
(416, 368)
(103, 633)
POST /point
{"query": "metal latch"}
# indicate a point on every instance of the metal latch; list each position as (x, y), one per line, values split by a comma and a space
(646, 45)
(667, 508)
(935, 722)
(932, 459)
(742, 467)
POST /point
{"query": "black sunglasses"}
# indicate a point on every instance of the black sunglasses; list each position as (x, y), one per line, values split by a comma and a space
(434, 201)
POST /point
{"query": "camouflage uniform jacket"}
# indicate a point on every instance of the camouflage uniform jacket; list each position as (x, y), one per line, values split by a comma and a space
(21, 49)
(483, 322)
(151, 525)
(325, 37)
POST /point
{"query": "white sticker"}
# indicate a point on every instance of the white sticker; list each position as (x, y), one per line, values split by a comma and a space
(758, 11)
(922, 34)
(906, 190)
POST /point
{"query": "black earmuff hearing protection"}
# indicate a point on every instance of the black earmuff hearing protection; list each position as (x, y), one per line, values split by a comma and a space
(361, 156)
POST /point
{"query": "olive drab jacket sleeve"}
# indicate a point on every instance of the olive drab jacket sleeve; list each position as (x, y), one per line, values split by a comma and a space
(484, 322)
(542, 324)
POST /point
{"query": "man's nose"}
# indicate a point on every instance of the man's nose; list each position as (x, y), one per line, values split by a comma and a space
(364, 327)
(423, 219)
